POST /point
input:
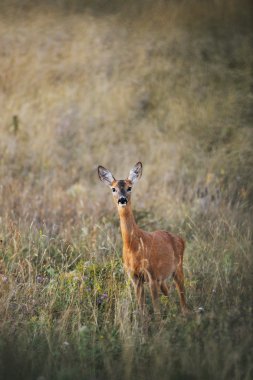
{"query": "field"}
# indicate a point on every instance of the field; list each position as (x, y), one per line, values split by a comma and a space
(84, 83)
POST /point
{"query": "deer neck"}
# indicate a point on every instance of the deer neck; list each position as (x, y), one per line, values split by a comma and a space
(129, 228)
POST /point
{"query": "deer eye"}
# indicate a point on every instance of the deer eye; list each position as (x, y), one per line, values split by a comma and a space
(113, 189)
(129, 188)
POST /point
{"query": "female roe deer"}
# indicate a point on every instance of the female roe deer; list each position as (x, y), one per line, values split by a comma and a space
(150, 257)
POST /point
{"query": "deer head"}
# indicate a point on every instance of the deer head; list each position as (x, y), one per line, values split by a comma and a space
(121, 189)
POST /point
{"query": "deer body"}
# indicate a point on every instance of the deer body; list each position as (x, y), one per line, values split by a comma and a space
(150, 257)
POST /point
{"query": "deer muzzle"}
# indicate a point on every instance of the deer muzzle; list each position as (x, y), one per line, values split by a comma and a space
(122, 201)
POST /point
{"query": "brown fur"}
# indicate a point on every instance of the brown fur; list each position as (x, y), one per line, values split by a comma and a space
(151, 257)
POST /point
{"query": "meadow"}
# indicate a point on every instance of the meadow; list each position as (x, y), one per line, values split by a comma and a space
(88, 83)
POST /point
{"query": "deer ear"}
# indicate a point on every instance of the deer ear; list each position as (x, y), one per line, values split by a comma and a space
(135, 173)
(105, 175)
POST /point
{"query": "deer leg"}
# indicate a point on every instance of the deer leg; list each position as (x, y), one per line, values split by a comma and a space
(154, 295)
(165, 288)
(179, 280)
(140, 295)
(139, 291)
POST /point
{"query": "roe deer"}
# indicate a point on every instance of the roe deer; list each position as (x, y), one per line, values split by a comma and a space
(150, 257)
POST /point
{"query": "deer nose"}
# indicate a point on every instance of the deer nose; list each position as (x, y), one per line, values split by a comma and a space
(122, 200)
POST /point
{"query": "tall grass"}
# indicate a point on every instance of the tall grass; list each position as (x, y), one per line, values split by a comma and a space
(88, 83)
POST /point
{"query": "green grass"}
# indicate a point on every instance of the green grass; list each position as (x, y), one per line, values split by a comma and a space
(66, 316)
(84, 84)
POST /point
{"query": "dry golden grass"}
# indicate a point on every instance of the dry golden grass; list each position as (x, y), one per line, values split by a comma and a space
(88, 83)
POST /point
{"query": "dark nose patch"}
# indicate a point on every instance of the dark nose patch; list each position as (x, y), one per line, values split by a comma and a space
(122, 200)
(122, 191)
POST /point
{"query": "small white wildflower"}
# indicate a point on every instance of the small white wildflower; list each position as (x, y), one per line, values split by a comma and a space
(83, 329)
(4, 279)
(85, 231)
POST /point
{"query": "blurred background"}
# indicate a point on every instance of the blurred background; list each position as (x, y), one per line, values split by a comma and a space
(106, 82)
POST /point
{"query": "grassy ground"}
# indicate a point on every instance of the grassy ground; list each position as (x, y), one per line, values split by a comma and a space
(88, 83)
